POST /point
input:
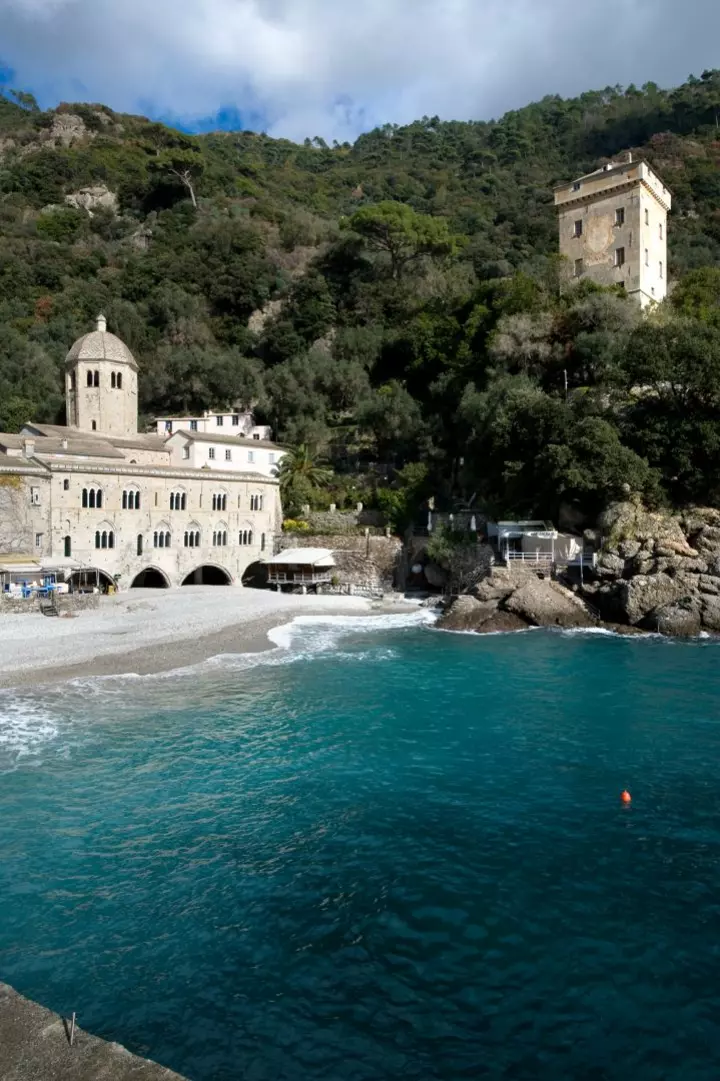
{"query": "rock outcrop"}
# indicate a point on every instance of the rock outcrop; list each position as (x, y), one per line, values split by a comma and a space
(658, 571)
(94, 198)
(510, 600)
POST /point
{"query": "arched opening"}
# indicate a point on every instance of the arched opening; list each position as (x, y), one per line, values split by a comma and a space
(112, 380)
(256, 576)
(150, 578)
(119, 380)
(208, 575)
(89, 580)
(67, 547)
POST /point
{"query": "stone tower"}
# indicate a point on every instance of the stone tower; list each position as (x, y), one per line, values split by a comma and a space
(613, 229)
(101, 384)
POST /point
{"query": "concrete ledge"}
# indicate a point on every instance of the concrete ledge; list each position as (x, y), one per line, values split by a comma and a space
(35, 1046)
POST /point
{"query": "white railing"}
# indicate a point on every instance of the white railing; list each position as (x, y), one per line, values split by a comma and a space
(287, 577)
(529, 557)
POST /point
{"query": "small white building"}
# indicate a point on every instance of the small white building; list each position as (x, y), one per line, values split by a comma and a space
(300, 567)
(201, 450)
(239, 422)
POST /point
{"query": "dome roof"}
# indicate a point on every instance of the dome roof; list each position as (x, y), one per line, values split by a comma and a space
(99, 345)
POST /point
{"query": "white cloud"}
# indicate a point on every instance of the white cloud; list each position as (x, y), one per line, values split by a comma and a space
(335, 67)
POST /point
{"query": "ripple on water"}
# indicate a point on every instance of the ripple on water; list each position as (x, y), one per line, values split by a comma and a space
(401, 855)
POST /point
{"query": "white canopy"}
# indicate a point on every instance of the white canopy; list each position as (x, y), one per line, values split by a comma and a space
(308, 557)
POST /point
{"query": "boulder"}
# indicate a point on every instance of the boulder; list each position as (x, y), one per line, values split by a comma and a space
(466, 613)
(501, 623)
(546, 604)
(67, 128)
(435, 576)
(681, 619)
(710, 615)
(643, 594)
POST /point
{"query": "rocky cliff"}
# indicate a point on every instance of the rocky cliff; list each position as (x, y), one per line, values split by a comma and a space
(658, 571)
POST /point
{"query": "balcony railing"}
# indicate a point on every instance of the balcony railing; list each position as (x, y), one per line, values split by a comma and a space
(299, 577)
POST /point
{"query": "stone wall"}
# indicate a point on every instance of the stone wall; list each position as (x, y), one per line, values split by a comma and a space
(372, 563)
(66, 602)
(341, 521)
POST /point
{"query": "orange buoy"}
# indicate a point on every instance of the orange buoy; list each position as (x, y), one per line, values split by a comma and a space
(626, 797)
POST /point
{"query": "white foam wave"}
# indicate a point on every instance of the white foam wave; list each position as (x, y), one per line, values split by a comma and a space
(25, 725)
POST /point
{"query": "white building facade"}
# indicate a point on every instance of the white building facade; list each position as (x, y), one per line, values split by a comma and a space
(99, 497)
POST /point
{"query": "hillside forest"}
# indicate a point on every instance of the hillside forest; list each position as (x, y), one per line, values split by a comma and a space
(392, 308)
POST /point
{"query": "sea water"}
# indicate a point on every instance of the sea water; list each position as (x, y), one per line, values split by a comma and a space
(380, 851)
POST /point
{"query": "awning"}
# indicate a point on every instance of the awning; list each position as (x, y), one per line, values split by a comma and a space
(303, 557)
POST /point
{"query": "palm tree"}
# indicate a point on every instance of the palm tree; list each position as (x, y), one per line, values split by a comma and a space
(299, 474)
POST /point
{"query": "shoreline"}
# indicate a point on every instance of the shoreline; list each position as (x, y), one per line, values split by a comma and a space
(185, 632)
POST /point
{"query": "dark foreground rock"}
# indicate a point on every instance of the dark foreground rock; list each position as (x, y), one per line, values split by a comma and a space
(35, 1046)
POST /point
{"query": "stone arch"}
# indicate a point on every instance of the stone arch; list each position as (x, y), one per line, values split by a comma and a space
(150, 578)
(208, 574)
(89, 578)
(256, 575)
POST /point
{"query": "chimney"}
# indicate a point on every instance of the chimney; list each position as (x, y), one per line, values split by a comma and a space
(29, 448)
(101, 324)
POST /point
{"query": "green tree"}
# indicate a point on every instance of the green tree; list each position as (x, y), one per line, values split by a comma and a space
(300, 476)
(403, 235)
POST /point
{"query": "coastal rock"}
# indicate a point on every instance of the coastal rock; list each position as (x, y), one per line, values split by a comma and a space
(681, 619)
(466, 613)
(641, 595)
(710, 615)
(546, 604)
(67, 128)
(501, 622)
(435, 576)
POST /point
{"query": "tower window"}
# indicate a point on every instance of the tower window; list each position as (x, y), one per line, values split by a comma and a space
(619, 257)
(89, 378)
(577, 227)
(67, 547)
(660, 230)
(579, 267)
(112, 380)
(647, 217)
(661, 269)
(119, 380)
(96, 379)
(139, 544)
(620, 216)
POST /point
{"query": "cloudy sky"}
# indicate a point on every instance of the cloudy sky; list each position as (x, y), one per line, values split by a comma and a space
(337, 67)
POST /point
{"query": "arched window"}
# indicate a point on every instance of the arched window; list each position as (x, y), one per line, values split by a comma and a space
(112, 380)
(139, 544)
(119, 380)
(91, 498)
(246, 536)
(178, 501)
(256, 502)
(167, 540)
(262, 542)
(96, 379)
(111, 540)
(131, 500)
(158, 539)
(84, 497)
(125, 501)
(97, 538)
(89, 378)
(67, 542)
(219, 501)
(197, 538)
(99, 498)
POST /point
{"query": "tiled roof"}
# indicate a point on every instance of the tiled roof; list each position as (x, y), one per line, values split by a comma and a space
(230, 440)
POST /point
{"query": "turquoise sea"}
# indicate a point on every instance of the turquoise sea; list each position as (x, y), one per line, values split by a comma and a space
(379, 852)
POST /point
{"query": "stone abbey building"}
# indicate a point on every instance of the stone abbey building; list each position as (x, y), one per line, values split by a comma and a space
(98, 497)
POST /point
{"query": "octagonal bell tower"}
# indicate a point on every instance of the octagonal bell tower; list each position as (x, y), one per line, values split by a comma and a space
(101, 384)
